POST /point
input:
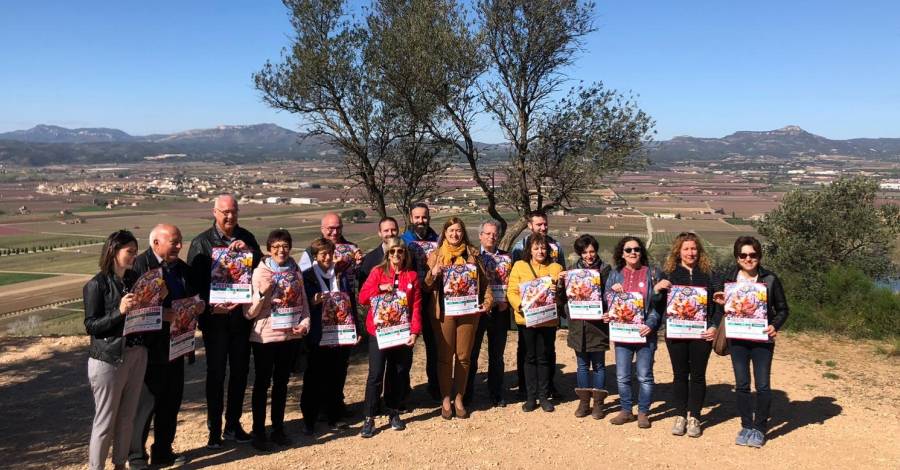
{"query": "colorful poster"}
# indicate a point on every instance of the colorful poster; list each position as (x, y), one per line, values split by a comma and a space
(288, 308)
(585, 294)
(422, 248)
(344, 257)
(554, 252)
(497, 267)
(184, 325)
(149, 291)
(538, 301)
(746, 311)
(230, 276)
(460, 290)
(391, 314)
(686, 312)
(338, 328)
(626, 317)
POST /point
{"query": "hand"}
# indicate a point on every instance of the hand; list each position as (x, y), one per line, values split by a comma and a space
(645, 330)
(485, 308)
(411, 341)
(358, 256)
(662, 285)
(770, 330)
(385, 287)
(318, 298)
(300, 330)
(221, 309)
(605, 318)
(709, 334)
(437, 270)
(126, 304)
(267, 288)
(719, 298)
(237, 245)
(617, 288)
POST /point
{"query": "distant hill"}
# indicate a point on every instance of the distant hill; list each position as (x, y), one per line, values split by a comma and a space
(786, 142)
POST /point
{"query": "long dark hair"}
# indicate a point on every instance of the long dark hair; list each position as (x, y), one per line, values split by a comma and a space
(453, 221)
(114, 242)
(619, 260)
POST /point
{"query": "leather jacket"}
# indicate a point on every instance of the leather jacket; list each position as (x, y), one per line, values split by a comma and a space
(102, 318)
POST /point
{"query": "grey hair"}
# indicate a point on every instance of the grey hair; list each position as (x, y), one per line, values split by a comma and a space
(489, 222)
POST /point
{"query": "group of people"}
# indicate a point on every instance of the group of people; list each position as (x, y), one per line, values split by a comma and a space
(135, 384)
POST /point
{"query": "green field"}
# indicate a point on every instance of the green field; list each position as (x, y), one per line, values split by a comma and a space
(14, 278)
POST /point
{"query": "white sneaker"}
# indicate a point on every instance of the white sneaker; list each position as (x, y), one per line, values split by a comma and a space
(679, 428)
(693, 427)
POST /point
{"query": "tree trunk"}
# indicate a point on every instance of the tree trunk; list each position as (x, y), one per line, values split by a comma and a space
(512, 233)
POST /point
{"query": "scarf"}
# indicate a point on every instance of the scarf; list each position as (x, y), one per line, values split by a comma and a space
(272, 265)
(324, 276)
(449, 253)
(597, 264)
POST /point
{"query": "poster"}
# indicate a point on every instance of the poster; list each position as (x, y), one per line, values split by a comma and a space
(554, 252)
(538, 301)
(288, 308)
(746, 311)
(497, 267)
(338, 328)
(460, 290)
(391, 314)
(184, 324)
(422, 248)
(344, 257)
(149, 291)
(626, 317)
(585, 294)
(230, 276)
(686, 312)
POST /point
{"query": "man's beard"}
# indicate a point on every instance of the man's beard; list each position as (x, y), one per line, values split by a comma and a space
(421, 230)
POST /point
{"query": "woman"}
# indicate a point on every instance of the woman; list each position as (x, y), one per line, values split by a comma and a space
(590, 340)
(274, 350)
(632, 273)
(326, 372)
(748, 254)
(390, 367)
(116, 363)
(688, 265)
(455, 334)
(539, 340)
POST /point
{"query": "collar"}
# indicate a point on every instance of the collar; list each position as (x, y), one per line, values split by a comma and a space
(222, 234)
(496, 251)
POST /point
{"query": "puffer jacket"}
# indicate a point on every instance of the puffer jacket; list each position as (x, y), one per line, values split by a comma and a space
(102, 318)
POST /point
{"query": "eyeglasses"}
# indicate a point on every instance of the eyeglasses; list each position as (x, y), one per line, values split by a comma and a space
(630, 250)
(227, 212)
(397, 251)
(748, 255)
(332, 229)
(280, 246)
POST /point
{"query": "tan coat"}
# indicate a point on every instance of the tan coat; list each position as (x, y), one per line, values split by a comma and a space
(435, 283)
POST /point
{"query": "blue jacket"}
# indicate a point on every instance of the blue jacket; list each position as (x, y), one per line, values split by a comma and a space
(419, 262)
(652, 317)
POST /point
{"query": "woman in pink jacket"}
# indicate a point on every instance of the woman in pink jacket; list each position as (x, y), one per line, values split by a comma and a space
(280, 315)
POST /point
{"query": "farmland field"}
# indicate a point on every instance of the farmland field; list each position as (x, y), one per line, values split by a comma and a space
(14, 278)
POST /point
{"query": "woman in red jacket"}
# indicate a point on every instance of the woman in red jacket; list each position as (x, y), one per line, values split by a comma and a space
(393, 321)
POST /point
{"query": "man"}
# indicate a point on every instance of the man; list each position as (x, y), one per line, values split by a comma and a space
(537, 223)
(226, 333)
(387, 228)
(495, 324)
(160, 399)
(420, 230)
(332, 229)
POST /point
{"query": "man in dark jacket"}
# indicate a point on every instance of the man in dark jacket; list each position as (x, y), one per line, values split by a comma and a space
(333, 230)
(164, 380)
(226, 333)
(387, 228)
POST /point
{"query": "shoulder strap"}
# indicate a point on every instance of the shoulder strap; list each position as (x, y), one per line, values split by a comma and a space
(532, 269)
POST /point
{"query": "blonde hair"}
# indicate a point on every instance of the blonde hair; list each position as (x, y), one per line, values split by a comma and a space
(395, 242)
(674, 257)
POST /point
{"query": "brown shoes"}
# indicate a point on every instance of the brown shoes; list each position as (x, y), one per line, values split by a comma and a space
(599, 396)
(584, 402)
(643, 421)
(622, 417)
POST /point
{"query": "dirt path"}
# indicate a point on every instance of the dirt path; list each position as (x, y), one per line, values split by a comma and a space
(849, 422)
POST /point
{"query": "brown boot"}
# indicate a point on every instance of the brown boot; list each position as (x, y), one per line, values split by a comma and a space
(622, 418)
(599, 397)
(643, 421)
(584, 402)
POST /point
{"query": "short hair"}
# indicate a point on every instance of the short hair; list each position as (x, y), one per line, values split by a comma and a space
(321, 244)
(584, 241)
(114, 242)
(532, 240)
(279, 235)
(388, 219)
(619, 260)
(674, 257)
(450, 222)
(395, 242)
(489, 222)
(537, 213)
(747, 240)
(419, 205)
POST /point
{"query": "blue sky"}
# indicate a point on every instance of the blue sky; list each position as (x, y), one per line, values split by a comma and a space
(702, 68)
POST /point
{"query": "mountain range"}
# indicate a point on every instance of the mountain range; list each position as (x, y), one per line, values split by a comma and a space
(45, 144)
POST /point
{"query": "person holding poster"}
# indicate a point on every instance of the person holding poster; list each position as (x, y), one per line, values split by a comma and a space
(539, 339)
(460, 293)
(691, 322)
(280, 316)
(497, 265)
(349, 257)
(226, 333)
(164, 380)
(332, 336)
(116, 363)
(387, 228)
(758, 354)
(588, 337)
(393, 284)
(634, 276)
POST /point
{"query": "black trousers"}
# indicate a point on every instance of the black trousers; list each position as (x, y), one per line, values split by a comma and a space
(689, 359)
(323, 383)
(520, 361)
(166, 383)
(272, 364)
(431, 353)
(759, 355)
(227, 343)
(388, 368)
(496, 325)
(540, 345)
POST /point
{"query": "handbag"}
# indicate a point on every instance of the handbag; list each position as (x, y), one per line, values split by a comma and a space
(720, 343)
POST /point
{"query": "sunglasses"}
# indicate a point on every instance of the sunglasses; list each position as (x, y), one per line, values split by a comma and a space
(632, 250)
(748, 255)
(397, 251)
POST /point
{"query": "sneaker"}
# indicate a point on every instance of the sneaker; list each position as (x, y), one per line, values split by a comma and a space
(680, 426)
(368, 429)
(138, 464)
(622, 417)
(742, 436)
(168, 460)
(280, 438)
(756, 439)
(643, 421)
(547, 406)
(693, 427)
(261, 444)
(529, 406)
(237, 435)
(397, 423)
(214, 442)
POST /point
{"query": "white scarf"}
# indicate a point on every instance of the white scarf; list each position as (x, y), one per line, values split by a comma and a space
(323, 275)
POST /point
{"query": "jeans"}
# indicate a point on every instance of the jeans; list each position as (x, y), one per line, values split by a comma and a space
(496, 325)
(585, 378)
(388, 368)
(160, 402)
(689, 359)
(227, 343)
(624, 355)
(272, 363)
(539, 353)
(323, 383)
(743, 353)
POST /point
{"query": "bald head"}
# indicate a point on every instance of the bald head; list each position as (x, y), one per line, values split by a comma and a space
(165, 241)
(225, 212)
(332, 227)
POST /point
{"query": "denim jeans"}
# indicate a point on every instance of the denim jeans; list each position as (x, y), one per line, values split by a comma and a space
(585, 377)
(743, 353)
(624, 355)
